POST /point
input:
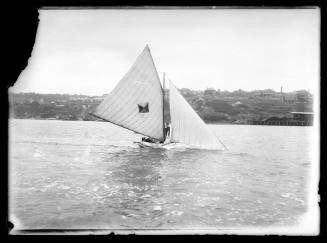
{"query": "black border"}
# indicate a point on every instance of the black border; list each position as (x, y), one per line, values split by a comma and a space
(20, 25)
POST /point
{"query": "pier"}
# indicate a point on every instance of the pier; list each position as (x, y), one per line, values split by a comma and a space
(281, 123)
(299, 119)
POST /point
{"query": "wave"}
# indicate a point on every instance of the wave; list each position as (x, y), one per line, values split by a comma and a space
(293, 197)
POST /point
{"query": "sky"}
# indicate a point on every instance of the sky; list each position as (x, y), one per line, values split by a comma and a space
(88, 51)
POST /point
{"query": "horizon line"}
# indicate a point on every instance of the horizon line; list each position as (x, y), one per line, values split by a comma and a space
(201, 90)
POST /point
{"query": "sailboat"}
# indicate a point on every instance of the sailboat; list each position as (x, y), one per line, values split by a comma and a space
(137, 103)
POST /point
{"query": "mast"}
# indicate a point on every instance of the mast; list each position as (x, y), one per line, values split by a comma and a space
(163, 106)
(163, 94)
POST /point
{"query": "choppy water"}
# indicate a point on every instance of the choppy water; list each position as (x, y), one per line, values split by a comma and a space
(77, 174)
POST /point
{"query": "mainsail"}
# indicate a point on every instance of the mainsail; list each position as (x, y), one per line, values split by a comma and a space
(187, 126)
(136, 103)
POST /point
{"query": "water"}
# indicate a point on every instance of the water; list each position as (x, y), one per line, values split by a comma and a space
(90, 175)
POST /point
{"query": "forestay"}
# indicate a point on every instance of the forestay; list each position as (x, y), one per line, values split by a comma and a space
(136, 103)
(187, 126)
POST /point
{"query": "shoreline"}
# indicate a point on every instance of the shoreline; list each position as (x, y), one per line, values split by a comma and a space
(208, 123)
(42, 119)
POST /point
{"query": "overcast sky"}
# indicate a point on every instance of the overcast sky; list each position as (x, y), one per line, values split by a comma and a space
(89, 51)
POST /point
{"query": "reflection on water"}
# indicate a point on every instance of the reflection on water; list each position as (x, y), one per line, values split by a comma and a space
(139, 171)
(91, 175)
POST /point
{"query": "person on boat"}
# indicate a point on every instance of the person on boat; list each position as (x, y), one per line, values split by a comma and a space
(148, 140)
(167, 130)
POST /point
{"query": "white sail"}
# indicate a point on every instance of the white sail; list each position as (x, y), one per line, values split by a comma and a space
(136, 103)
(187, 127)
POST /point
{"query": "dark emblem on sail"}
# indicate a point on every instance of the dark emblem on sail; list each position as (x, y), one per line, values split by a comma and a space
(144, 107)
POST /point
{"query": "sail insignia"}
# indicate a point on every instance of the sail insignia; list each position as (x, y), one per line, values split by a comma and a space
(144, 107)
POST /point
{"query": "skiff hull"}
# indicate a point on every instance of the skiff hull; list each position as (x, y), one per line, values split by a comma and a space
(151, 145)
(162, 146)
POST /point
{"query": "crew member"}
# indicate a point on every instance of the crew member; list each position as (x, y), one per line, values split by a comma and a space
(168, 130)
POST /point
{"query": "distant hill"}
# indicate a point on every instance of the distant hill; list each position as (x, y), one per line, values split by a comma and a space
(214, 106)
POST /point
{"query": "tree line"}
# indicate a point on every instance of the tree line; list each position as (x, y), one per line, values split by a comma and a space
(213, 106)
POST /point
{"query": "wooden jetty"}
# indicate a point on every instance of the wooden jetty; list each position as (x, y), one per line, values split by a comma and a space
(299, 119)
